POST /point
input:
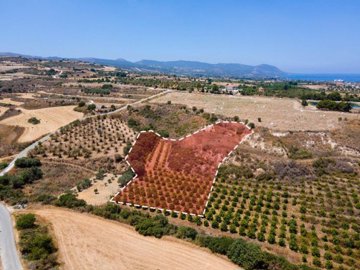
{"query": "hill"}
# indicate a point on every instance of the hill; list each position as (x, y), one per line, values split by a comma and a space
(181, 67)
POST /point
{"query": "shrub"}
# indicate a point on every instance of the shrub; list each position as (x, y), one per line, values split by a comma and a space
(3, 165)
(133, 123)
(317, 262)
(126, 177)
(69, 200)
(215, 244)
(33, 120)
(25, 221)
(156, 226)
(186, 232)
(247, 255)
(84, 184)
(26, 162)
(91, 107)
(299, 153)
(334, 106)
(36, 244)
(127, 148)
(164, 133)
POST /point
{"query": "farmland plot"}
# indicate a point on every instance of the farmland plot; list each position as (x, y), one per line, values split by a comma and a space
(178, 175)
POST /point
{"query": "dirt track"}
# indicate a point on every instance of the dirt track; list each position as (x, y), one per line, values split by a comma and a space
(88, 242)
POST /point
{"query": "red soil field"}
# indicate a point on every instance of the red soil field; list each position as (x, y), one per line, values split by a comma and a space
(178, 175)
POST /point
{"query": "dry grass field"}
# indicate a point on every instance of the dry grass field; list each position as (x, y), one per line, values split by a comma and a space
(88, 242)
(10, 66)
(50, 120)
(101, 190)
(57, 178)
(8, 137)
(275, 113)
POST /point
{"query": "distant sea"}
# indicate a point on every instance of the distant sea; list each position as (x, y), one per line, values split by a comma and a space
(325, 77)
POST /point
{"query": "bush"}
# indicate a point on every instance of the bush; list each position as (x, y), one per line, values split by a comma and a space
(25, 221)
(235, 172)
(215, 244)
(186, 232)
(299, 153)
(247, 255)
(334, 106)
(3, 165)
(36, 244)
(127, 148)
(84, 184)
(69, 200)
(132, 123)
(33, 120)
(91, 107)
(164, 133)
(126, 177)
(26, 162)
(156, 226)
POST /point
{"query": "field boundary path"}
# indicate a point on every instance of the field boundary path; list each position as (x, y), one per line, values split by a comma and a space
(9, 256)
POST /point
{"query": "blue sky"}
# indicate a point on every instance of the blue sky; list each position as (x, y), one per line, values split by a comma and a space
(307, 36)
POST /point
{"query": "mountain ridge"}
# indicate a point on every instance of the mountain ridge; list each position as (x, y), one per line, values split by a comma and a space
(179, 67)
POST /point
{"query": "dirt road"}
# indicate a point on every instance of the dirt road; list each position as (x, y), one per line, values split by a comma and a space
(88, 242)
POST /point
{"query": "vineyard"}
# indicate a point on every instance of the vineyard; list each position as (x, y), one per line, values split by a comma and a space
(178, 175)
(316, 221)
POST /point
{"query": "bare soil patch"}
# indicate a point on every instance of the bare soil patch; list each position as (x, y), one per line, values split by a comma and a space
(275, 113)
(88, 242)
(101, 191)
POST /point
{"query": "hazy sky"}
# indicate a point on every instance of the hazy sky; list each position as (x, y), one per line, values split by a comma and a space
(318, 36)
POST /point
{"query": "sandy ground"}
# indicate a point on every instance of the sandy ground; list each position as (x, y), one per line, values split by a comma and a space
(88, 242)
(2, 110)
(275, 113)
(105, 189)
(50, 120)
